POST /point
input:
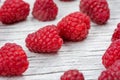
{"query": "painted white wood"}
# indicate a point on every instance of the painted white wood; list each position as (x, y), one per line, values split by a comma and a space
(85, 55)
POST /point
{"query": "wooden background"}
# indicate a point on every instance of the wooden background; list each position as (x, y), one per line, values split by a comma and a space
(85, 55)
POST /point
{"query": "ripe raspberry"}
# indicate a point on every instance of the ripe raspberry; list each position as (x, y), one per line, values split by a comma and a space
(112, 73)
(98, 10)
(66, 0)
(14, 11)
(116, 34)
(72, 75)
(45, 10)
(112, 54)
(105, 75)
(74, 27)
(45, 39)
(13, 60)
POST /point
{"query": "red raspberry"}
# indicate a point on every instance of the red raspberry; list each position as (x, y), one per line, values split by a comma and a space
(14, 11)
(116, 34)
(112, 73)
(72, 75)
(105, 75)
(112, 54)
(98, 10)
(74, 27)
(45, 39)
(13, 60)
(45, 10)
(66, 0)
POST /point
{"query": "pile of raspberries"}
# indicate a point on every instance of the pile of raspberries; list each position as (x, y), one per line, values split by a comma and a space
(49, 39)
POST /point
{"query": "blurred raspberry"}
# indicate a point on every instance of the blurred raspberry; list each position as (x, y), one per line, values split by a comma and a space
(67, 0)
(98, 10)
(112, 73)
(72, 75)
(112, 54)
(45, 10)
(116, 34)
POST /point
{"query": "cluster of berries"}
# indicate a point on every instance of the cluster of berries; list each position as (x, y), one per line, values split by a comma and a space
(49, 39)
(111, 58)
(13, 11)
(111, 61)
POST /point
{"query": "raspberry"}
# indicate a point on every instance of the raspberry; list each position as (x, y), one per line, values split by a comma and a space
(98, 10)
(66, 0)
(13, 11)
(74, 27)
(112, 54)
(72, 75)
(112, 73)
(13, 60)
(116, 34)
(45, 10)
(44, 40)
(105, 75)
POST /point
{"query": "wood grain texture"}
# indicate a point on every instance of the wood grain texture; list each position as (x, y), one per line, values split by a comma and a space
(85, 55)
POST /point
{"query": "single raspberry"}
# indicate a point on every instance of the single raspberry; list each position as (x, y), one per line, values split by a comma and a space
(14, 11)
(44, 40)
(72, 75)
(116, 34)
(74, 27)
(45, 10)
(105, 75)
(98, 10)
(112, 73)
(66, 0)
(13, 60)
(112, 54)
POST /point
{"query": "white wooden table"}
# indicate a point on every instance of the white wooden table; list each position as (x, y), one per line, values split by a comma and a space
(85, 55)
